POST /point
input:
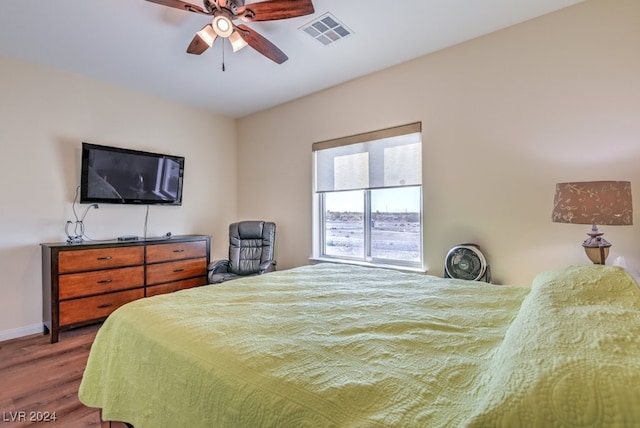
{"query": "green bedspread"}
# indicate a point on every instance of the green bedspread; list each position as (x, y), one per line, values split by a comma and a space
(334, 345)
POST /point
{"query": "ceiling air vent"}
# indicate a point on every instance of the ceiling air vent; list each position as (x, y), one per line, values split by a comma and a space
(326, 29)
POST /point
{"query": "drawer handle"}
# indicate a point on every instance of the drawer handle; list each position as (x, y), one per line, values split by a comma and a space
(179, 251)
(104, 281)
(178, 270)
(105, 305)
(105, 258)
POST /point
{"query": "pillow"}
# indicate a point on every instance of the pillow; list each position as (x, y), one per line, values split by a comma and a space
(634, 272)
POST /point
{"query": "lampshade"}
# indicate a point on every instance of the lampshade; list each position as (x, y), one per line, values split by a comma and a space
(207, 35)
(595, 203)
(237, 42)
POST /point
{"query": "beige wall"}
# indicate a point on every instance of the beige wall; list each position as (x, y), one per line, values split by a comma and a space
(505, 117)
(45, 115)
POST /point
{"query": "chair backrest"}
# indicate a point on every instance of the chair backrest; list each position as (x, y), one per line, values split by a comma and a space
(251, 243)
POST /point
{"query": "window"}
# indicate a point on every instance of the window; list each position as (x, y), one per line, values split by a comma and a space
(368, 197)
(167, 175)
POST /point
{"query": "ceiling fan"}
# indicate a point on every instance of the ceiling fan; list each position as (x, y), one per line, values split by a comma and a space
(224, 12)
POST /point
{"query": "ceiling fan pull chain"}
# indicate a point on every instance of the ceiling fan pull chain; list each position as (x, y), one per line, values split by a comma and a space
(222, 55)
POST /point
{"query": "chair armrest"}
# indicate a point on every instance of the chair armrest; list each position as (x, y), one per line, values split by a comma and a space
(218, 266)
(216, 269)
(268, 266)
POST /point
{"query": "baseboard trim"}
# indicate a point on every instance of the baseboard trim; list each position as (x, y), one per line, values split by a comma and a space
(20, 332)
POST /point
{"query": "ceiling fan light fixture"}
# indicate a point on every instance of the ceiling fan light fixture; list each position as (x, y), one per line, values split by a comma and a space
(222, 26)
(207, 35)
(237, 42)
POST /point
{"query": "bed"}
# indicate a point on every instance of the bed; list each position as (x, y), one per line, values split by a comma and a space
(330, 345)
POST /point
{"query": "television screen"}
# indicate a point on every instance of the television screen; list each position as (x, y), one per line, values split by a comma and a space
(123, 176)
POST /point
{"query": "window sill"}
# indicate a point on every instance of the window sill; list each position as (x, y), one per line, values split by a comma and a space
(368, 264)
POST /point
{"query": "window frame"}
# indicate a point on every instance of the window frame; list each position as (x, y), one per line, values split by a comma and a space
(319, 238)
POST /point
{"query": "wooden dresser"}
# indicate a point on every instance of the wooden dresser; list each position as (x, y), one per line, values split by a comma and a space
(83, 283)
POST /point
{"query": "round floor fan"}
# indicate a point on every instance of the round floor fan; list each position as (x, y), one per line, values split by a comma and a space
(466, 261)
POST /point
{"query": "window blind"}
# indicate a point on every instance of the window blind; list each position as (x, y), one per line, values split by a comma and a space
(387, 158)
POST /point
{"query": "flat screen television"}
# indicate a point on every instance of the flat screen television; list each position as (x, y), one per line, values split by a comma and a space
(123, 176)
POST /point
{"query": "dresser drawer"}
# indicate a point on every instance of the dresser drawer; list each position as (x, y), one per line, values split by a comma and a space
(84, 283)
(173, 271)
(176, 251)
(96, 307)
(100, 258)
(99, 281)
(175, 286)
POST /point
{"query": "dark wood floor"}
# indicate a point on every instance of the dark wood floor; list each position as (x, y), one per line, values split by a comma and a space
(38, 378)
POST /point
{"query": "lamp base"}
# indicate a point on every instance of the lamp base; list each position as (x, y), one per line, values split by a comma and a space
(596, 247)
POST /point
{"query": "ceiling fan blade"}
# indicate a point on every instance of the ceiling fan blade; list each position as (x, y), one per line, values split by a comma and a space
(262, 45)
(275, 9)
(202, 40)
(178, 4)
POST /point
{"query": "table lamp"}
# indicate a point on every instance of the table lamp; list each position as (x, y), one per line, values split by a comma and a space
(595, 203)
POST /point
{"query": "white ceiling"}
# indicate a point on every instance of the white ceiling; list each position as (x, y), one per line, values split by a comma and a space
(141, 45)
